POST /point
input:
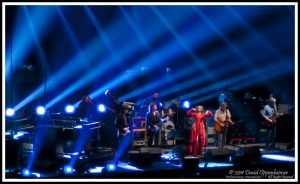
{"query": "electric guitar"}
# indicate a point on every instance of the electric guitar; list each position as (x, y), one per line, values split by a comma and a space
(274, 120)
(124, 131)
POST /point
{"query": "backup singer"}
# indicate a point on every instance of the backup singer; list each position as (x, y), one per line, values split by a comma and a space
(198, 134)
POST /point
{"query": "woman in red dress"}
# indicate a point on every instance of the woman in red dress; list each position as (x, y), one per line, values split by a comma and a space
(197, 138)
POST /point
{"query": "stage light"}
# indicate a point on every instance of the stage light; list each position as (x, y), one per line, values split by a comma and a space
(186, 104)
(96, 170)
(38, 175)
(26, 172)
(19, 134)
(78, 126)
(69, 109)
(10, 112)
(68, 170)
(222, 97)
(128, 167)
(214, 164)
(279, 157)
(40, 110)
(111, 167)
(160, 104)
(101, 108)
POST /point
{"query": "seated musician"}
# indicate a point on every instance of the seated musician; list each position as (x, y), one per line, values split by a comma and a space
(167, 125)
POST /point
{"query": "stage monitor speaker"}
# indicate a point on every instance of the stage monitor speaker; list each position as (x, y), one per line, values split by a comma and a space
(141, 159)
(151, 150)
(45, 143)
(253, 151)
(12, 154)
(190, 163)
(219, 154)
(248, 155)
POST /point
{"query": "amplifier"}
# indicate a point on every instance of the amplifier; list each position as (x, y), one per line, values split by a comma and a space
(139, 143)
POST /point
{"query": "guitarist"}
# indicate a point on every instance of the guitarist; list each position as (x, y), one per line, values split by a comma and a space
(270, 113)
(124, 134)
(222, 120)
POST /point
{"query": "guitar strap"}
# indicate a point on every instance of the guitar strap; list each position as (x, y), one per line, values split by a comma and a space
(226, 115)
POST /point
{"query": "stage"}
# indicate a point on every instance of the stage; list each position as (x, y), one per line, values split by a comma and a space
(239, 161)
(111, 91)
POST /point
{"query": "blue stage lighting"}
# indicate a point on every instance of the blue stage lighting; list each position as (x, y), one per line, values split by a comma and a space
(69, 109)
(101, 108)
(186, 104)
(26, 172)
(222, 97)
(128, 167)
(38, 175)
(19, 134)
(68, 170)
(40, 110)
(96, 170)
(214, 165)
(10, 112)
(111, 167)
(279, 157)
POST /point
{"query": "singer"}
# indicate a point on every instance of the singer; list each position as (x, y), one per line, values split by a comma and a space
(198, 134)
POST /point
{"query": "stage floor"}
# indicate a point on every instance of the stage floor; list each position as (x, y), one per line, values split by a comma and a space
(168, 163)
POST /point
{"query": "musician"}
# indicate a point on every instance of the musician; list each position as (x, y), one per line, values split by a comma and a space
(154, 99)
(269, 111)
(223, 118)
(123, 120)
(198, 134)
(123, 124)
(110, 130)
(153, 119)
(86, 108)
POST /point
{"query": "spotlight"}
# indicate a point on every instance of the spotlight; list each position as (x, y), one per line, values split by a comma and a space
(68, 170)
(69, 109)
(101, 108)
(186, 104)
(19, 134)
(96, 170)
(26, 172)
(10, 112)
(222, 97)
(111, 167)
(279, 157)
(40, 110)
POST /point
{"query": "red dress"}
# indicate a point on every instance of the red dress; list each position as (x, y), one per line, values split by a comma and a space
(197, 138)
